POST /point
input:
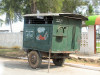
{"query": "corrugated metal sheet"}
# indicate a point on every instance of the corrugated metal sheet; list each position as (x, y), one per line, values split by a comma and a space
(43, 14)
(68, 15)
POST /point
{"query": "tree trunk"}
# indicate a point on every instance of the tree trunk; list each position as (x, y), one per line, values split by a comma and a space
(33, 6)
(11, 26)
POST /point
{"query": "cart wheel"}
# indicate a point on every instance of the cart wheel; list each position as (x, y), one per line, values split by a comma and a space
(34, 59)
(59, 61)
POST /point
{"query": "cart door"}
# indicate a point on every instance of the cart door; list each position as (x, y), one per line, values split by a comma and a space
(42, 38)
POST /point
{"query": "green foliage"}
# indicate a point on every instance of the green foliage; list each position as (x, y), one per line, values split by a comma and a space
(98, 45)
(70, 5)
(95, 2)
(90, 9)
(12, 9)
(29, 6)
(55, 6)
(43, 6)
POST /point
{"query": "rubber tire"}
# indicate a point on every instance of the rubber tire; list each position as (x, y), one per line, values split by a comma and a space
(38, 59)
(59, 61)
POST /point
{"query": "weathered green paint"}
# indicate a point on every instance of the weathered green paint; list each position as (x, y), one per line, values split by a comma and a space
(63, 35)
(30, 37)
(69, 39)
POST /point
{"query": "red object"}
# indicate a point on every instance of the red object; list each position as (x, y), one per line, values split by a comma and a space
(97, 21)
(94, 39)
(41, 38)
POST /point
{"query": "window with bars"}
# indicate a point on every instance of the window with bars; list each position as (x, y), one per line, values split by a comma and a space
(38, 20)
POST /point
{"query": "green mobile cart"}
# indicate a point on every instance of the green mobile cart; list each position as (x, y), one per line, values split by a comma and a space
(51, 35)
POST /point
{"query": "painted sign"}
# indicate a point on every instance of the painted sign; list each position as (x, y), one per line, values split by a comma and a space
(29, 34)
(42, 33)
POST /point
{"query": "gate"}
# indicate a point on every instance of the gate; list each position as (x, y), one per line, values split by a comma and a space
(97, 38)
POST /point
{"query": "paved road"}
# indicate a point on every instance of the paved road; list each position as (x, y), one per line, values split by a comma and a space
(21, 67)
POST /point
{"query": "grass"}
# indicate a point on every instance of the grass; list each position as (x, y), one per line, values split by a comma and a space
(98, 49)
(98, 44)
(12, 53)
(83, 62)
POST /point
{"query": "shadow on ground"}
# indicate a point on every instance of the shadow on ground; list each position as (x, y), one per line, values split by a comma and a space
(25, 65)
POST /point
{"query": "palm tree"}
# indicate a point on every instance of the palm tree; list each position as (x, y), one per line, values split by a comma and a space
(12, 9)
(1, 22)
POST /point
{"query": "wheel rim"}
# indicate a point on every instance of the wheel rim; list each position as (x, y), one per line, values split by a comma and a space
(58, 60)
(33, 59)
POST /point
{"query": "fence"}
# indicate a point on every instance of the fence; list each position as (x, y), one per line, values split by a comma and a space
(15, 40)
(84, 43)
(87, 41)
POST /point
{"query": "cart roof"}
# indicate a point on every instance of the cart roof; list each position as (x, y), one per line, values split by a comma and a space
(69, 15)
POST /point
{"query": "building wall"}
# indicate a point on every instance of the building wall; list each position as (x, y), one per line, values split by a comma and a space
(11, 40)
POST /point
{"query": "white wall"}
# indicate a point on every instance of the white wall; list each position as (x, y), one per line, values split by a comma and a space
(84, 43)
(11, 40)
(87, 41)
(91, 39)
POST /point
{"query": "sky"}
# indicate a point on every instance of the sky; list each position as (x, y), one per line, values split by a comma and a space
(16, 27)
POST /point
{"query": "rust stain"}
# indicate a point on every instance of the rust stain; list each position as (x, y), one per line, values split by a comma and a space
(66, 51)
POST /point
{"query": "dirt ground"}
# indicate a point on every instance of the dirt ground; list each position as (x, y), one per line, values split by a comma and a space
(19, 67)
(16, 53)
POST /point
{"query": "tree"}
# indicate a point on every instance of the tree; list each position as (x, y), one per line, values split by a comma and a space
(44, 6)
(15, 9)
(55, 6)
(12, 9)
(95, 2)
(70, 5)
(29, 6)
(1, 22)
(90, 9)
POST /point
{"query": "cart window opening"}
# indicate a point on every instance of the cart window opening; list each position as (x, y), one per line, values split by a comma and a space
(59, 38)
(38, 20)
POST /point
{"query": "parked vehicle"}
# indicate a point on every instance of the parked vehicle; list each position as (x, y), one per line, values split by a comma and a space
(57, 34)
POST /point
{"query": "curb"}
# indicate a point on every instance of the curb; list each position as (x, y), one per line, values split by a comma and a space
(83, 66)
